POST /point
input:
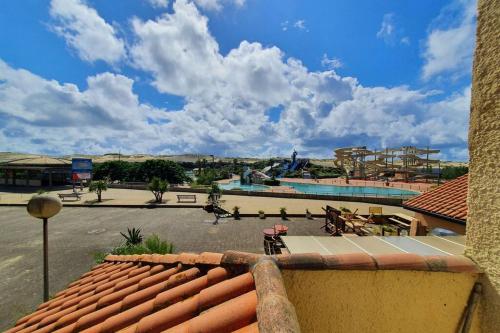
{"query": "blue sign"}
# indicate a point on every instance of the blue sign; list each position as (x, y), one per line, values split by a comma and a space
(81, 168)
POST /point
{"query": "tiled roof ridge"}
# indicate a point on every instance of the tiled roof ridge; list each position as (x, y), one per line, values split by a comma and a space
(275, 312)
(351, 261)
(447, 201)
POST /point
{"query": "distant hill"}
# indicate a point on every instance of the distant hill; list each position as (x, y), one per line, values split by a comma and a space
(328, 162)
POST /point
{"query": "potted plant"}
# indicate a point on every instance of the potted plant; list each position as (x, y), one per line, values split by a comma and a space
(236, 213)
(262, 215)
(387, 230)
(283, 213)
(309, 215)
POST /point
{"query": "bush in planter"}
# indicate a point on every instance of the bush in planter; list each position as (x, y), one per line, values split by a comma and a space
(236, 213)
(344, 209)
(283, 213)
(262, 215)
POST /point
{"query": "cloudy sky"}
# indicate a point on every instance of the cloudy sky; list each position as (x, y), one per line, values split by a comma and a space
(234, 77)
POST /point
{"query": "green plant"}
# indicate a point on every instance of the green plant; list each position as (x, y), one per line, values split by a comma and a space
(158, 187)
(345, 209)
(236, 213)
(283, 213)
(155, 245)
(99, 257)
(214, 191)
(271, 182)
(262, 214)
(98, 187)
(133, 236)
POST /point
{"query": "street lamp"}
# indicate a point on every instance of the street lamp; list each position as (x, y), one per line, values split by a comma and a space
(43, 207)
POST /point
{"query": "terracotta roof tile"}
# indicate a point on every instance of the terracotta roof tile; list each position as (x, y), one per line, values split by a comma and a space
(448, 200)
(209, 292)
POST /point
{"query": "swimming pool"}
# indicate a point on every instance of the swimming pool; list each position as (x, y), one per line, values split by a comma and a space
(321, 189)
(236, 185)
(349, 190)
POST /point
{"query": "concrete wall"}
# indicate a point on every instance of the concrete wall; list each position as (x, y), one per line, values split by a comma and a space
(432, 222)
(483, 223)
(379, 301)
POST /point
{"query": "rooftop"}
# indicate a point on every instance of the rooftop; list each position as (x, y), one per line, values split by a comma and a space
(447, 201)
(209, 292)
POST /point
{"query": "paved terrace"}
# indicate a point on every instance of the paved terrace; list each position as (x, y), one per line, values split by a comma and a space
(248, 204)
(76, 234)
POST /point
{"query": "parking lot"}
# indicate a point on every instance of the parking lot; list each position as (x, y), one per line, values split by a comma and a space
(76, 234)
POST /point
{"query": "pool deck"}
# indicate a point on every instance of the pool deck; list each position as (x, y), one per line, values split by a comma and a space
(247, 204)
(416, 187)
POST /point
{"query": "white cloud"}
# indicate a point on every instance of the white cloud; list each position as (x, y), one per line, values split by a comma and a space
(332, 63)
(159, 3)
(300, 24)
(227, 99)
(449, 47)
(284, 25)
(86, 32)
(217, 5)
(387, 28)
(405, 40)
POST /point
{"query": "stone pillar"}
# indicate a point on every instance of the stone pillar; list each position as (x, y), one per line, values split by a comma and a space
(483, 221)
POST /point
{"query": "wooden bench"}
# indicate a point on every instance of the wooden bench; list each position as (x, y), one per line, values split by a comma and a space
(401, 223)
(69, 195)
(186, 198)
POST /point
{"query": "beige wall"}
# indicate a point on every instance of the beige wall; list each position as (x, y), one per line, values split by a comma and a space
(432, 222)
(379, 301)
(483, 224)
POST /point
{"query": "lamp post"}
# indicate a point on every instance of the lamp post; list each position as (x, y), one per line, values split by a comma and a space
(43, 207)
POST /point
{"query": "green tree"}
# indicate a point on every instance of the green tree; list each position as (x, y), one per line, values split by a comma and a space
(98, 186)
(452, 172)
(168, 170)
(158, 187)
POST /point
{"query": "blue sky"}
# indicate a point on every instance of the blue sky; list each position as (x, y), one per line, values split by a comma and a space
(234, 77)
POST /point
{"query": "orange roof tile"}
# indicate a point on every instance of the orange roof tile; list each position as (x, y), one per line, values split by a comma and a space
(209, 292)
(448, 200)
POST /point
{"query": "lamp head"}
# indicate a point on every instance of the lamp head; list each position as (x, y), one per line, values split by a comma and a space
(44, 206)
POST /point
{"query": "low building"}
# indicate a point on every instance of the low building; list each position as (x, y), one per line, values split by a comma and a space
(444, 207)
(35, 171)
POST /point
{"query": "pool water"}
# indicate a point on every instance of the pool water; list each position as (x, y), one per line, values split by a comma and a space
(349, 190)
(322, 189)
(236, 185)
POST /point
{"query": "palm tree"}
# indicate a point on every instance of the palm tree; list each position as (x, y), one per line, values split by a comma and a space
(98, 187)
(158, 187)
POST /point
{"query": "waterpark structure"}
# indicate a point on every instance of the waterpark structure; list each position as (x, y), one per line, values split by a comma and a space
(407, 163)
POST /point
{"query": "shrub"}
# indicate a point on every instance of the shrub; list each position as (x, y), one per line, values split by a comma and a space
(214, 191)
(133, 236)
(236, 212)
(283, 213)
(152, 245)
(452, 172)
(271, 182)
(158, 187)
(98, 187)
(345, 209)
(155, 245)
(262, 214)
